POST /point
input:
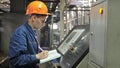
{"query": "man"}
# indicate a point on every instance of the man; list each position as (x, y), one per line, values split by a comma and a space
(24, 49)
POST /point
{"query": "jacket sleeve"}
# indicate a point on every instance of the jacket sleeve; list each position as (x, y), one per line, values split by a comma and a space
(18, 51)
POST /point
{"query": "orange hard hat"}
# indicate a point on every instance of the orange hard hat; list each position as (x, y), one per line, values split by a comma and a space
(37, 7)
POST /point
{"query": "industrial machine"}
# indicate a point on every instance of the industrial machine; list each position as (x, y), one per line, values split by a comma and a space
(104, 34)
(74, 47)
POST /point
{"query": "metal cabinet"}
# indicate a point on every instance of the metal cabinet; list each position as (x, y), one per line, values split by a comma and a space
(98, 30)
(105, 35)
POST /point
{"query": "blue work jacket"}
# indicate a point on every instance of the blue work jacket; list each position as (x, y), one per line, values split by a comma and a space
(23, 48)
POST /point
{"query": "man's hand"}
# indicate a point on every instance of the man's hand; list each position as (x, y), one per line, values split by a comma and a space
(42, 55)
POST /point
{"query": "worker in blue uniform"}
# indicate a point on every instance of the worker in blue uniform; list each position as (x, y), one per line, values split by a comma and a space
(24, 49)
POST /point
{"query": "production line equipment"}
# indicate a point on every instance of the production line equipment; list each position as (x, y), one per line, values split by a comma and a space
(74, 47)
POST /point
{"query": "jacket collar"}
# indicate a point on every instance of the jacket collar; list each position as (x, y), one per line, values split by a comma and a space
(30, 28)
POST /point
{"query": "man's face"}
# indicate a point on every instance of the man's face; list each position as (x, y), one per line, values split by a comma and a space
(39, 22)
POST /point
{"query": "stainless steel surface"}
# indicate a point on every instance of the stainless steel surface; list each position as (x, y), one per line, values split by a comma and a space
(72, 37)
(70, 40)
(84, 62)
(76, 50)
(105, 35)
(97, 38)
(74, 56)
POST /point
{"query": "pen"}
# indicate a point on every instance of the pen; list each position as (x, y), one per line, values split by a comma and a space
(40, 48)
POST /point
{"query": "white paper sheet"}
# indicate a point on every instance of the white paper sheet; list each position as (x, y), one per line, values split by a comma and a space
(52, 54)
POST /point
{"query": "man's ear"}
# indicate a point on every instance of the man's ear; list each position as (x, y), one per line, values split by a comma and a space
(33, 18)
